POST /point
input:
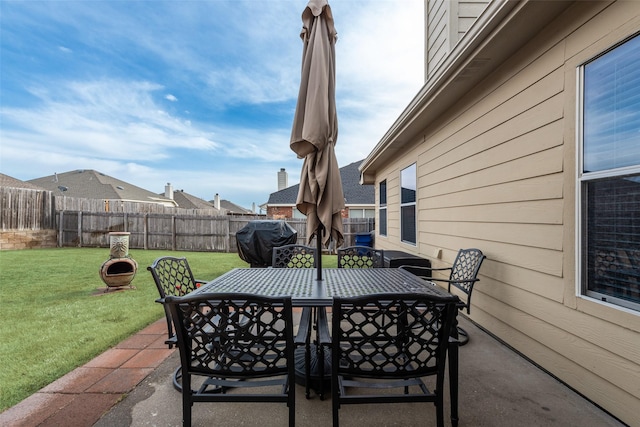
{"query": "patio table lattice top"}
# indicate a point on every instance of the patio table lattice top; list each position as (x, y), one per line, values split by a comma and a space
(302, 286)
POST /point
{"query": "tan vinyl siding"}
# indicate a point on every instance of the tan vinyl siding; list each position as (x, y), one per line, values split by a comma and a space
(497, 171)
(437, 44)
(447, 21)
(468, 11)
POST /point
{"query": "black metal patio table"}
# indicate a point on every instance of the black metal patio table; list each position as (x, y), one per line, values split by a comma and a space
(306, 291)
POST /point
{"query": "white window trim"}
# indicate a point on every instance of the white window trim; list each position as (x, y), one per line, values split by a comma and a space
(414, 203)
(385, 208)
(581, 177)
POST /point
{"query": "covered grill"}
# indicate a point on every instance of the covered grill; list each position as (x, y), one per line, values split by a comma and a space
(257, 239)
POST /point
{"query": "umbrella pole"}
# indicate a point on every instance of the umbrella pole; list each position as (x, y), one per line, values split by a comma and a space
(319, 249)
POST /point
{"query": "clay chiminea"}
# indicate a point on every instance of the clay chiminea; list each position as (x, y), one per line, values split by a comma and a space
(120, 269)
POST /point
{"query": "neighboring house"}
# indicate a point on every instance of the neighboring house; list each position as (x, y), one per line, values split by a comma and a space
(359, 199)
(524, 142)
(231, 208)
(189, 201)
(185, 200)
(91, 184)
(11, 182)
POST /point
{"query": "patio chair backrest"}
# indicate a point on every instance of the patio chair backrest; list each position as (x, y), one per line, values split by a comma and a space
(390, 341)
(360, 257)
(464, 271)
(294, 256)
(173, 277)
(231, 340)
(408, 334)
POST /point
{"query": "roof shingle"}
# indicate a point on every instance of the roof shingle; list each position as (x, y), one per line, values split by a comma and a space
(354, 193)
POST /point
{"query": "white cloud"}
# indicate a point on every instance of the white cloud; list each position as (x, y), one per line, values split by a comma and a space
(225, 61)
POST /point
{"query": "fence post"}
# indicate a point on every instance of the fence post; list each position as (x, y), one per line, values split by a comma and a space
(145, 231)
(60, 221)
(173, 233)
(227, 233)
(80, 229)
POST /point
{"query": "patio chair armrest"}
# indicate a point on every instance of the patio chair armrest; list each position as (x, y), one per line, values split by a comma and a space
(304, 327)
(324, 337)
(449, 281)
(421, 267)
(160, 300)
(421, 271)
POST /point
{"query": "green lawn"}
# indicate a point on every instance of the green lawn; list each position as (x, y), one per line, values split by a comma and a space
(53, 320)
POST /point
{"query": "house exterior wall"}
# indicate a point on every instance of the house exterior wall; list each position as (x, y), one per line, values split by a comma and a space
(497, 171)
(280, 212)
(446, 22)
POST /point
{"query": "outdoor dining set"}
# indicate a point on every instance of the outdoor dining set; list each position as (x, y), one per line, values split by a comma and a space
(366, 334)
(363, 326)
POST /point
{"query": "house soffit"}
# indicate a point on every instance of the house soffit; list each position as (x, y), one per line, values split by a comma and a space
(499, 31)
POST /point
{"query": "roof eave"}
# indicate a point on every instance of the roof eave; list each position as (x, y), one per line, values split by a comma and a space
(495, 35)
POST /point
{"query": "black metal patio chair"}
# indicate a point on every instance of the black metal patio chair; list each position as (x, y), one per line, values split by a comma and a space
(294, 256)
(234, 348)
(173, 277)
(360, 257)
(300, 256)
(385, 345)
(463, 275)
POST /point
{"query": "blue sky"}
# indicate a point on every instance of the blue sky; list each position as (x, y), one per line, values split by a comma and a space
(200, 94)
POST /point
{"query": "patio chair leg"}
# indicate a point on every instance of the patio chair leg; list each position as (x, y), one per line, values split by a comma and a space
(320, 349)
(463, 336)
(307, 370)
(177, 379)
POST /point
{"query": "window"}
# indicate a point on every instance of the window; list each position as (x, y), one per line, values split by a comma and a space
(361, 213)
(382, 211)
(609, 176)
(408, 204)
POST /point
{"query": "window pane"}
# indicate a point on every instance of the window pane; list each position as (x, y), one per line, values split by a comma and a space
(383, 222)
(612, 109)
(408, 204)
(383, 193)
(356, 213)
(408, 183)
(612, 224)
(408, 228)
(382, 214)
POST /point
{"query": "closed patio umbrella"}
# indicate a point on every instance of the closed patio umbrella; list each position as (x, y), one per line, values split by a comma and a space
(315, 130)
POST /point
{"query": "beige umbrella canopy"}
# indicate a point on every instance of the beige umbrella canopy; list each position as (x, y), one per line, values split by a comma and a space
(315, 128)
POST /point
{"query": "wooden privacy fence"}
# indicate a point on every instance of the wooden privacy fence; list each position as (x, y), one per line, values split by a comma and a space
(26, 209)
(174, 232)
(87, 222)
